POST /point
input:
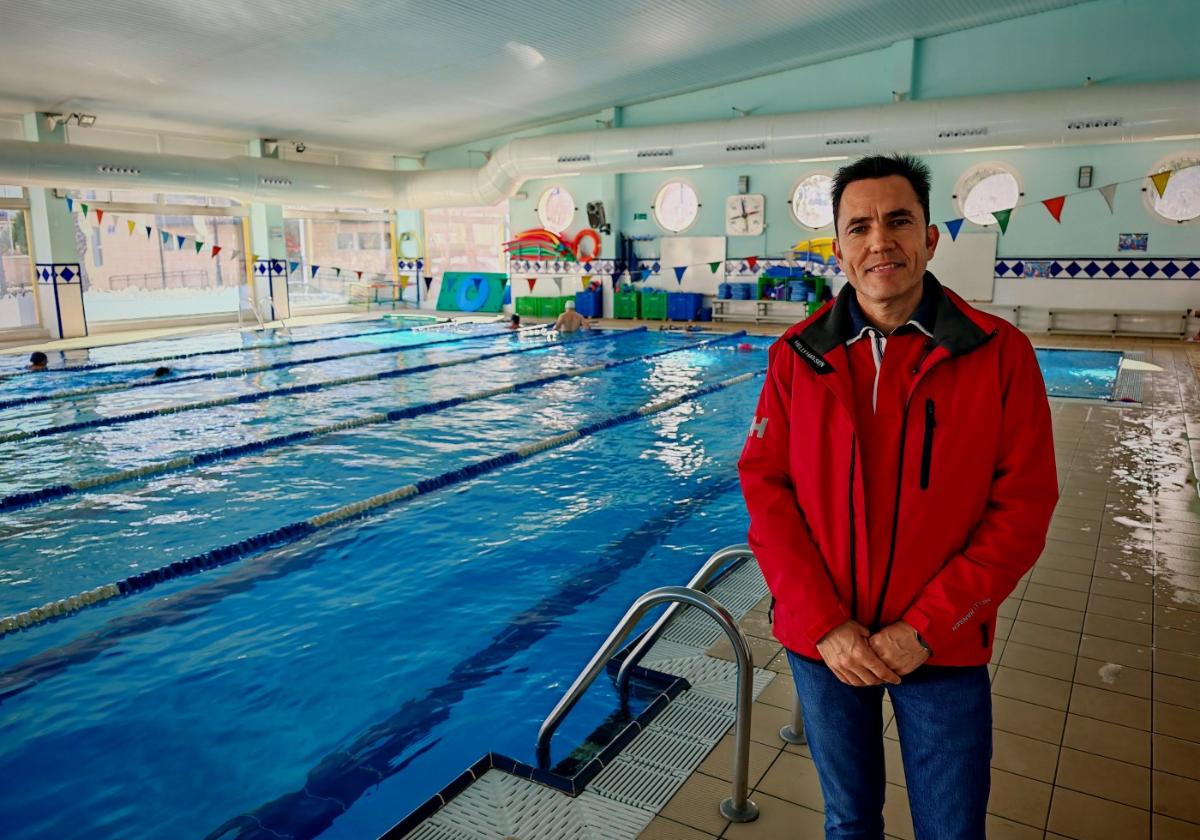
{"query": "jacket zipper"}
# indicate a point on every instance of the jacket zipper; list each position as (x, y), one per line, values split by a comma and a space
(983, 630)
(927, 452)
(853, 546)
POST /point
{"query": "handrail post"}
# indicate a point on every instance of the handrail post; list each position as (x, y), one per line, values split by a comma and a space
(793, 732)
(738, 807)
(711, 566)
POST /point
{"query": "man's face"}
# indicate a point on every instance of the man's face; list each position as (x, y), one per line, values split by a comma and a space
(883, 239)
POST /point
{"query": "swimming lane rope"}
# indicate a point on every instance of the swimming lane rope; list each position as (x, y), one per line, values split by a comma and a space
(234, 372)
(30, 498)
(296, 531)
(98, 365)
(258, 396)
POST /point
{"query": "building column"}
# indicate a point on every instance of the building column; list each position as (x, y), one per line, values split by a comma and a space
(268, 273)
(56, 257)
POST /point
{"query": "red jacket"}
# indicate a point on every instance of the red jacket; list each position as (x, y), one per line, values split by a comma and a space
(972, 502)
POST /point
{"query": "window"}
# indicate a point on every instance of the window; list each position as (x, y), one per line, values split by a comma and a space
(984, 188)
(1180, 201)
(465, 239)
(812, 201)
(676, 206)
(556, 209)
(338, 259)
(17, 306)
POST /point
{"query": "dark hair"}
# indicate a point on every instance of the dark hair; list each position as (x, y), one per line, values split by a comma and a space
(162, 371)
(912, 169)
(515, 319)
(37, 357)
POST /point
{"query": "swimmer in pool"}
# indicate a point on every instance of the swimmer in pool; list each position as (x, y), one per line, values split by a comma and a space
(515, 322)
(160, 372)
(570, 321)
(38, 360)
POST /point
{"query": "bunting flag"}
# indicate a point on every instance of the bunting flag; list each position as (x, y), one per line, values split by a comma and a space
(1055, 206)
(149, 231)
(199, 245)
(558, 282)
(100, 213)
(85, 209)
(953, 227)
(428, 280)
(179, 240)
(403, 282)
(752, 262)
(132, 226)
(679, 270)
(585, 280)
(713, 266)
(233, 255)
(1002, 217)
(315, 269)
(337, 272)
(165, 236)
(1160, 181)
(359, 273)
(616, 278)
(531, 281)
(292, 266)
(1109, 192)
(70, 204)
(216, 249)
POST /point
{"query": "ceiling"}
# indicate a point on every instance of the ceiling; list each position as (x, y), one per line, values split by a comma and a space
(405, 77)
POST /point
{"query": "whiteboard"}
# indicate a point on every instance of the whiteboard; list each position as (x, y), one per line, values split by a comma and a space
(968, 265)
(696, 252)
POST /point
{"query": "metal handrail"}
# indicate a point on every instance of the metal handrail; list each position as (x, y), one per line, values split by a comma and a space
(707, 572)
(738, 807)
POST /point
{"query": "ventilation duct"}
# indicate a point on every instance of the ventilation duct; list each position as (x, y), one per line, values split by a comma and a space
(1096, 114)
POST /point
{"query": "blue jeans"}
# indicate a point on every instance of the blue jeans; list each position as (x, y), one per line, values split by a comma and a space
(944, 718)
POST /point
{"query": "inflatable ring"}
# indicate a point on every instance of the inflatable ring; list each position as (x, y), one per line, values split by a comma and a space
(590, 234)
(465, 300)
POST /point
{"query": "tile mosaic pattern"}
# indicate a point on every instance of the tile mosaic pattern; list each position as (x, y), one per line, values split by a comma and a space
(58, 273)
(1105, 268)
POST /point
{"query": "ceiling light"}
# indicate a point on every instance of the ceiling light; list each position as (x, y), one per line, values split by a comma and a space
(682, 166)
(85, 120)
(1178, 137)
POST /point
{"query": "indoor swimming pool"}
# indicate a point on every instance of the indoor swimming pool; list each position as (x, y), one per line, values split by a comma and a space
(1084, 374)
(327, 687)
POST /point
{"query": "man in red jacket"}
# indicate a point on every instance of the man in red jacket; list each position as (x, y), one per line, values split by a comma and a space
(900, 479)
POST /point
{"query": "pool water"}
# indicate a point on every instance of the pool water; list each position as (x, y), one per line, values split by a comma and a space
(327, 688)
(1087, 374)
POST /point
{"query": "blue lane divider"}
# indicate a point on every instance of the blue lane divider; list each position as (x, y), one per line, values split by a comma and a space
(235, 372)
(177, 356)
(295, 531)
(30, 498)
(258, 396)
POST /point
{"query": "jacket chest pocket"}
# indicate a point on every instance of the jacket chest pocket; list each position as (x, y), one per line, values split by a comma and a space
(927, 447)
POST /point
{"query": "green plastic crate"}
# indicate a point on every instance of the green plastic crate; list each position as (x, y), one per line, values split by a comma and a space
(527, 305)
(547, 307)
(654, 307)
(625, 305)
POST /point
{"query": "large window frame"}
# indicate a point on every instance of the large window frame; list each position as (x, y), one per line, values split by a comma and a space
(328, 289)
(13, 205)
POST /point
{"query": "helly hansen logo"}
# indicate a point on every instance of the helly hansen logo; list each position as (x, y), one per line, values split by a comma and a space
(758, 428)
(808, 354)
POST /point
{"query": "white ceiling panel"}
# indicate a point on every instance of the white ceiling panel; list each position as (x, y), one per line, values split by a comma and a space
(411, 76)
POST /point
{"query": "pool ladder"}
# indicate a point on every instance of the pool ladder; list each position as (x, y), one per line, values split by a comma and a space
(738, 807)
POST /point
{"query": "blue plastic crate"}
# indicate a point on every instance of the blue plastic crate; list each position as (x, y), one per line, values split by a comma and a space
(683, 306)
(590, 303)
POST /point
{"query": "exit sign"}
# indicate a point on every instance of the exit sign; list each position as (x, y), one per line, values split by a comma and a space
(639, 217)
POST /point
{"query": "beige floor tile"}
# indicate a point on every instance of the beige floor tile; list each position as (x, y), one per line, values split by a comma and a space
(1021, 718)
(1121, 653)
(1037, 660)
(794, 778)
(1112, 677)
(1177, 618)
(1107, 739)
(1056, 596)
(664, 829)
(897, 819)
(1182, 758)
(1123, 589)
(1104, 777)
(1177, 664)
(755, 624)
(1168, 595)
(1048, 616)
(1168, 828)
(1062, 548)
(1106, 627)
(1177, 691)
(1120, 608)
(1126, 572)
(1020, 799)
(997, 651)
(1039, 635)
(696, 804)
(719, 762)
(1075, 565)
(1008, 607)
(765, 723)
(1177, 797)
(1079, 815)
(998, 828)
(1168, 638)
(1032, 688)
(1023, 756)
(780, 692)
(1061, 580)
(764, 605)
(1177, 721)
(893, 762)
(778, 820)
(1111, 706)
(762, 651)
(780, 664)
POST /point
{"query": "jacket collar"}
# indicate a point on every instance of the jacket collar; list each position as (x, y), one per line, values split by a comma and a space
(923, 319)
(951, 328)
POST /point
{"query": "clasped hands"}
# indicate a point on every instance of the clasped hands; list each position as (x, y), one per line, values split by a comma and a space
(858, 658)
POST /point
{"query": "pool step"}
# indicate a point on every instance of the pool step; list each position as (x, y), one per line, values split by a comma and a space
(626, 795)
